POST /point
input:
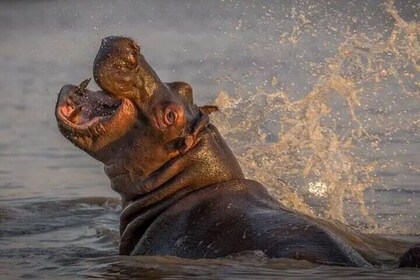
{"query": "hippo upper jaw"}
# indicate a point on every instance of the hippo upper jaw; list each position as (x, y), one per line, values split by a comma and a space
(121, 70)
(93, 120)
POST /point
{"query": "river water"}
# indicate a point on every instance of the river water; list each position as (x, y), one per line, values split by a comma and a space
(319, 100)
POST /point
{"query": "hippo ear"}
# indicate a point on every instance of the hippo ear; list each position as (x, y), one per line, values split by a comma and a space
(183, 89)
(208, 109)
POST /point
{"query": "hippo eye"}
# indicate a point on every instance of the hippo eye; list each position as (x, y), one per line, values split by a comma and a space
(170, 117)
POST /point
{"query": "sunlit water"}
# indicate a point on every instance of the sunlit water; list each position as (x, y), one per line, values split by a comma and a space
(320, 102)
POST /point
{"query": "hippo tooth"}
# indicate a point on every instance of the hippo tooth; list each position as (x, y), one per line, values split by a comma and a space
(87, 133)
(102, 128)
(99, 128)
(96, 130)
(84, 84)
(93, 131)
(86, 139)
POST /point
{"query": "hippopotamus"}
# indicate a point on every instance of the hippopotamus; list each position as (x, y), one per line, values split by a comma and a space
(183, 192)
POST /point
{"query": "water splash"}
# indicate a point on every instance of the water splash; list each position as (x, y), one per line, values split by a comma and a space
(312, 152)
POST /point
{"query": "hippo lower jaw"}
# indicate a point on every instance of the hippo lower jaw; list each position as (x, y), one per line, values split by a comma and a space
(89, 118)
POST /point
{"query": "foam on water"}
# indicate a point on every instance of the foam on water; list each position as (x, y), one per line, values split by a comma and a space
(315, 156)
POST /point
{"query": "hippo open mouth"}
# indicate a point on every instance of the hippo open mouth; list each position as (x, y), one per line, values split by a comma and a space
(84, 115)
(83, 109)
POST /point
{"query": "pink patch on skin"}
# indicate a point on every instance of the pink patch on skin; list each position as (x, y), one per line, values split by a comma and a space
(66, 111)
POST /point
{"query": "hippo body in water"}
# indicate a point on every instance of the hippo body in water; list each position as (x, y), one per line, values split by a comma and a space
(183, 191)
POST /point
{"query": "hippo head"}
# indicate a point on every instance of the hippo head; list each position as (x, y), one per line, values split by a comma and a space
(121, 70)
(93, 120)
(136, 122)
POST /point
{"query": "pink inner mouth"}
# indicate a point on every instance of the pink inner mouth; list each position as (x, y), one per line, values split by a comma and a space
(66, 111)
(82, 109)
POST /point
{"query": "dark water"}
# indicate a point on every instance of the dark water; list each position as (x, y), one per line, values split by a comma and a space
(322, 96)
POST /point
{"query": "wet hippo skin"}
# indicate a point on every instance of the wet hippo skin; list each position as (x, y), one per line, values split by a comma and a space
(183, 192)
